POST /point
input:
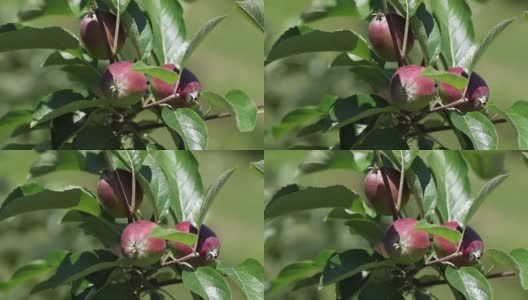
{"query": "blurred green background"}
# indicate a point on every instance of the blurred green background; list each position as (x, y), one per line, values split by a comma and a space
(229, 58)
(501, 221)
(235, 216)
(305, 79)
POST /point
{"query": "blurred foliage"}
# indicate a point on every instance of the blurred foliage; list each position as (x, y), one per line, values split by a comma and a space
(305, 79)
(236, 216)
(23, 81)
(302, 236)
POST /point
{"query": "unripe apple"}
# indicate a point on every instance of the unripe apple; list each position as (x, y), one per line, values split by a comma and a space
(410, 91)
(472, 246)
(208, 246)
(380, 35)
(113, 188)
(123, 86)
(139, 247)
(188, 91)
(94, 38)
(377, 195)
(405, 244)
(477, 92)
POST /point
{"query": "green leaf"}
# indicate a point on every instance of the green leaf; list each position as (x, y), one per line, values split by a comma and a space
(168, 76)
(78, 265)
(207, 283)
(168, 29)
(322, 160)
(447, 233)
(20, 37)
(517, 114)
(32, 270)
(189, 125)
(172, 234)
(297, 118)
(470, 282)
(133, 159)
(249, 276)
(292, 198)
(478, 128)
(427, 34)
(239, 104)
(183, 181)
(348, 264)
(453, 189)
(33, 197)
(253, 9)
(303, 39)
(520, 257)
(60, 103)
(12, 120)
(455, 80)
(189, 48)
(456, 29)
(211, 193)
(472, 57)
(298, 271)
(481, 196)
(259, 166)
(154, 183)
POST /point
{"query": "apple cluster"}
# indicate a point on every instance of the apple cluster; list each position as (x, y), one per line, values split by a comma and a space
(114, 191)
(409, 90)
(405, 244)
(120, 84)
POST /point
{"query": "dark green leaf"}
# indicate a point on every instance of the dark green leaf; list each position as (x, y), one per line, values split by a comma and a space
(20, 37)
(303, 39)
(348, 264)
(518, 116)
(32, 197)
(520, 256)
(79, 265)
(297, 199)
(297, 118)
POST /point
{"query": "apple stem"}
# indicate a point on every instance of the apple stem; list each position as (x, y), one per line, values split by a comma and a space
(181, 259)
(116, 38)
(395, 212)
(402, 177)
(444, 259)
(447, 127)
(406, 33)
(393, 33)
